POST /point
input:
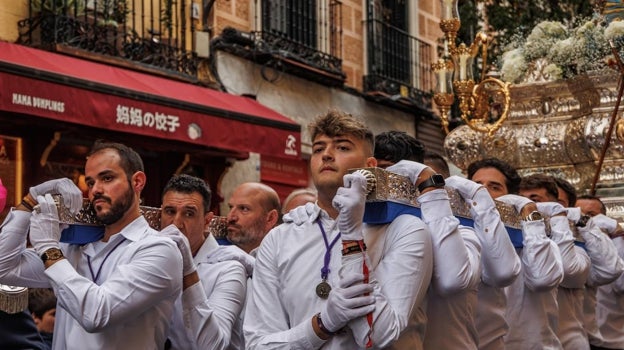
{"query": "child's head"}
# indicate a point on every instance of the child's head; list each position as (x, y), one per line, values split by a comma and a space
(42, 306)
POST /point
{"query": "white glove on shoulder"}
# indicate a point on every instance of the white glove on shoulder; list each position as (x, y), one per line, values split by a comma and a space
(172, 232)
(72, 196)
(233, 253)
(516, 201)
(408, 168)
(300, 214)
(551, 208)
(45, 229)
(350, 201)
(347, 301)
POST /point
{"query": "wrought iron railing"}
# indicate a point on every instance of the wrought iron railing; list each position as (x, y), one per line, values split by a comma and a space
(398, 64)
(154, 33)
(306, 31)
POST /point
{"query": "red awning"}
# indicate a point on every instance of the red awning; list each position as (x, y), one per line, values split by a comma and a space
(54, 86)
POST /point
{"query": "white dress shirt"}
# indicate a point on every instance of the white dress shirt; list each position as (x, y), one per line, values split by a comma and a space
(452, 297)
(571, 291)
(287, 270)
(500, 266)
(606, 267)
(130, 304)
(610, 308)
(206, 314)
(532, 313)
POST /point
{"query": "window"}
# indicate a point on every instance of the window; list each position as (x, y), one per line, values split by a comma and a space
(302, 31)
(397, 62)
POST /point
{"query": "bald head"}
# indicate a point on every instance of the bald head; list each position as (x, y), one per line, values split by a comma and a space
(254, 211)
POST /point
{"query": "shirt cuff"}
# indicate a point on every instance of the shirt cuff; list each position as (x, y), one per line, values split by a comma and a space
(560, 228)
(193, 295)
(481, 202)
(310, 335)
(533, 231)
(60, 271)
(435, 205)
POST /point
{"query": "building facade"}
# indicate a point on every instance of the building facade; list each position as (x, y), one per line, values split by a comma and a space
(220, 89)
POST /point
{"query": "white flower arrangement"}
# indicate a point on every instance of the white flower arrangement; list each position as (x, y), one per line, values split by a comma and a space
(553, 51)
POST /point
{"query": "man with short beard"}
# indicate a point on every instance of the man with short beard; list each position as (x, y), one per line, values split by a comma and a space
(254, 211)
(115, 293)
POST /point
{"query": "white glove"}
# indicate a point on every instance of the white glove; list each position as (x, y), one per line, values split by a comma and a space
(45, 230)
(72, 196)
(299, 215)
(516, 201)
(574, 214)
(408, 168)
(550, 208)
(233, 253)
(350, 201)
(172, 232)
(347, 302)
(605, 223)
(466, 188)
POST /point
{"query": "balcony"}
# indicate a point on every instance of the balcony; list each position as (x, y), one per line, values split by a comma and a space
(398, 67)
(149, 35)
(301, 37)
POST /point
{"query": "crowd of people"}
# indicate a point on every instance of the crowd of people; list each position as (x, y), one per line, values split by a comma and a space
(310, 273)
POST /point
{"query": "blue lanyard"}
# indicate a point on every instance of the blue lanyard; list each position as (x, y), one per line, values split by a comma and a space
(328, 247)
(97, 275)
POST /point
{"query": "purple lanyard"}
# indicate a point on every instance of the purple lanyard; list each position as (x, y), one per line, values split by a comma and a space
(328, 247)
(97, 275)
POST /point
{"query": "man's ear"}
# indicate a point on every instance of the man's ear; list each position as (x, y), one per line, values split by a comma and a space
(138, 181)
(371, 162)
(272, 218)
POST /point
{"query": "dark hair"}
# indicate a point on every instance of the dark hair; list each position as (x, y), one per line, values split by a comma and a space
(603, 208)
(189, 184)
(41, 300)
(130, 161)
(567, 187)
(395, 146)
(438, 162)
(336, 123)
(536, 181)
(512, 179)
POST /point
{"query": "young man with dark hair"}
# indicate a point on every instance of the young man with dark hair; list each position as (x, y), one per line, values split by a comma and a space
(603, 294)
(394, 146)
(437, 163)
(591, 205)
(566, 193)
(115, 293)
(497, 176)
(451, 299)
(577, 266)
(213, 295)
(329, 280)
(532, 298)
(539, 188)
